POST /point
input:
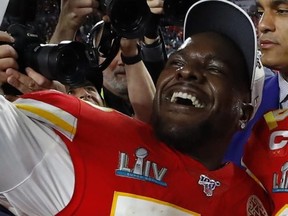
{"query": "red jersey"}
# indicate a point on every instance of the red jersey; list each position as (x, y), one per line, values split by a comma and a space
(122, 169)
(266, 157)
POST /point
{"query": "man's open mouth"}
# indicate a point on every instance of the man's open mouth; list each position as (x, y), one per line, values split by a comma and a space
(186, 99)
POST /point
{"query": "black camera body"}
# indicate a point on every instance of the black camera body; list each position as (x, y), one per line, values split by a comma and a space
(129, 17)
(66, 62)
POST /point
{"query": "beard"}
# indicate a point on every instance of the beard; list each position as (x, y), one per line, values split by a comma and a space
(186, 139)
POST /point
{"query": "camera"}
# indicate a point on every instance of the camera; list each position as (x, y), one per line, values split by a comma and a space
(66, 62)
(129, 17)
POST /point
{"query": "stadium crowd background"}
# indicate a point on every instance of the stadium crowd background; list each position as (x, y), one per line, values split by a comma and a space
(42, 16)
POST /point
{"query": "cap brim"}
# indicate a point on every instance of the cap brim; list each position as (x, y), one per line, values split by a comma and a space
(232, 21)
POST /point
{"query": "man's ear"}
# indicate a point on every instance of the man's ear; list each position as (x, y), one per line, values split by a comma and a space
(246, 111)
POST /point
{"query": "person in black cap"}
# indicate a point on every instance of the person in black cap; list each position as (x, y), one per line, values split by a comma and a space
(77, 159)
(86, 91)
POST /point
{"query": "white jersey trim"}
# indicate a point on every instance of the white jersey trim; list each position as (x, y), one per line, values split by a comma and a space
(55, 117)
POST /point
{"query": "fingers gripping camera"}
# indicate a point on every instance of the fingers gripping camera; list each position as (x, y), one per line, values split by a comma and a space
(66, 62)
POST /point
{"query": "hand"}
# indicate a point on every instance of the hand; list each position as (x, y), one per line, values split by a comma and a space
(9, 73)
(73, 14)
(8, 56)
(156, 6)
(129, 47)
(152, 28)
(33, 81)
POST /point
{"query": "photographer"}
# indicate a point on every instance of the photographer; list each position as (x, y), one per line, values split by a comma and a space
(116, 92)
(34, 81)
(73, 14)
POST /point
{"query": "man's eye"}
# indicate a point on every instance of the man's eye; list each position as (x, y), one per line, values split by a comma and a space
(282, 11)
(259, 12)
(214, 70)
(176, 63)
(90, 88)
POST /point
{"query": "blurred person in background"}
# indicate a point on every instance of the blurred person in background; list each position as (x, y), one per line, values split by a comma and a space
(115, 89)
(272, 31)
(265, 153)
(273, 44)
(73, 14)
(33, 81)
(86, 91)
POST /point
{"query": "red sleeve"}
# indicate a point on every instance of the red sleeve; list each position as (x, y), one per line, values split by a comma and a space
(61, 100)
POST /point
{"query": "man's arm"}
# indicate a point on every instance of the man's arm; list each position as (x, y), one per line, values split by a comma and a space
(72, 16)
(141, 88)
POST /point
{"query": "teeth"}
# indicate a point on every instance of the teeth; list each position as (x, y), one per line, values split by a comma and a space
(195, 102)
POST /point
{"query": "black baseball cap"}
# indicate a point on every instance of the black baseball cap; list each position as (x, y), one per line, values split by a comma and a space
(230, 20)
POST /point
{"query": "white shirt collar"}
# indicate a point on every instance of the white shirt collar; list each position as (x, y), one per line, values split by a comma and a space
(283, 85)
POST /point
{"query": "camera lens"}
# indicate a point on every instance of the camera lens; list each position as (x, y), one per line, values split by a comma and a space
(124, 19)
(128, 17)
(68, 61)
(65, 62)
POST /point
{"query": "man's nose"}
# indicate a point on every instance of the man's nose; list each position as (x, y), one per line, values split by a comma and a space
(85, 95)
(187, 73)
(266, 23)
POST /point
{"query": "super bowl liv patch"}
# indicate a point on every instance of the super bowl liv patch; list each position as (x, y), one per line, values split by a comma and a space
(143, 169)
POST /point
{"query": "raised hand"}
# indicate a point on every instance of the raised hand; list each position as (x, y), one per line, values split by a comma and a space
(73, 14)
(8, 55)
(156, 6)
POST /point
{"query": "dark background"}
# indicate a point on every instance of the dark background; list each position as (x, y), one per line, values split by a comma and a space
(42, 15)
